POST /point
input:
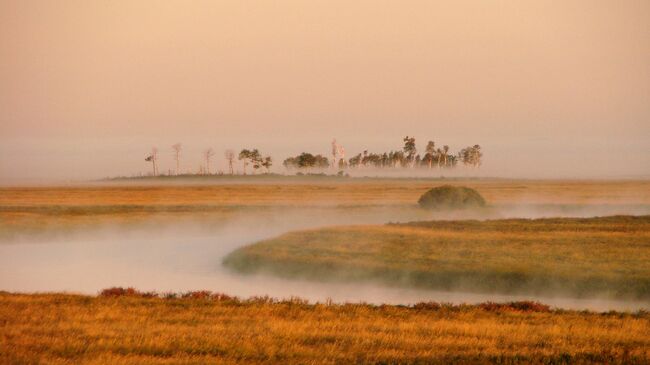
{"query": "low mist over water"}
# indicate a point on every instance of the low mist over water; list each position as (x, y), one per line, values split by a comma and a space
(187, 256)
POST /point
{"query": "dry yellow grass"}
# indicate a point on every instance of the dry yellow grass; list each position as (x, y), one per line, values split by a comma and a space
(61, 209)
(72, 329)
(345, 192)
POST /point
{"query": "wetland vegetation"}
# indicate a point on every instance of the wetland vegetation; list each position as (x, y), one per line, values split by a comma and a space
(576, 257)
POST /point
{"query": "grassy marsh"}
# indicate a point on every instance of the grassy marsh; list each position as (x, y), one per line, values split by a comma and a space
(575, 257)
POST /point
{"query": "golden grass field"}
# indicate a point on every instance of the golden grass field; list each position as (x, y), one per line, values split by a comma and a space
(28, 210)
(71, 329)
(200, 329)
(339, 192)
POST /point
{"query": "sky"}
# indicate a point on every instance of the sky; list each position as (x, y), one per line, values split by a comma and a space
(552, 89)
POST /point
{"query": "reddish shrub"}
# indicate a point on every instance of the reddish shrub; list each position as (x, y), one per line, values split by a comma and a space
(199, 294)
(119, 292)
(132, 292)
(521, 306)
(427, 306)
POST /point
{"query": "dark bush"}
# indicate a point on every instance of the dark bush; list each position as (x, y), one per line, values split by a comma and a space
(433, 306)
(123, 292)
(521, 306)
(132, 292)
(198, 294)
(451, 197)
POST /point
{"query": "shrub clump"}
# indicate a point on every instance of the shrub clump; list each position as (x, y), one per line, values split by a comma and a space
(125, 292)
(116, 292)
(521, 306)
(451, 197)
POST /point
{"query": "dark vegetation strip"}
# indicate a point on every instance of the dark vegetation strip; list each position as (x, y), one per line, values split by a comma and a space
(617, 223)
(526, 306)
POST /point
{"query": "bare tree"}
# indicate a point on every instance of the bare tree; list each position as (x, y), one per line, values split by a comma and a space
(177, 155)
(150, 159)
(153, 157)
(230, 157)
(208, 155)
(335, 150)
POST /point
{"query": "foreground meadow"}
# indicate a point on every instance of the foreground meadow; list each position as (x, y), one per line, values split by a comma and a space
(126, 327)
(605, 257)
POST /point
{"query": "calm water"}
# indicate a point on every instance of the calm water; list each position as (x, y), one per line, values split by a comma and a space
(186, 257)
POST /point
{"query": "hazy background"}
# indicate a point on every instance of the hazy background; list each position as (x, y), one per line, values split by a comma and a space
(548, 88)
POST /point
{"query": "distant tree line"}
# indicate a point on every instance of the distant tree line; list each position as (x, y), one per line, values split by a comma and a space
(431, 157)
(251, 157)
(407, 157)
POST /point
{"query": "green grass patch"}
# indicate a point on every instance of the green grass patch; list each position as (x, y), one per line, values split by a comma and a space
(576, 257)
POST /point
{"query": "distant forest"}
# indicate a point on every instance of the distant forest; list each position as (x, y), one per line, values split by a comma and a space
(431, 157)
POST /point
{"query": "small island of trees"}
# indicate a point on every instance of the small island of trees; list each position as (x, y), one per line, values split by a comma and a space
(431, 157)
(407, 157)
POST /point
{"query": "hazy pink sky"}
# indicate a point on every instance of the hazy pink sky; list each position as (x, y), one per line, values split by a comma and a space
(548, 88)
